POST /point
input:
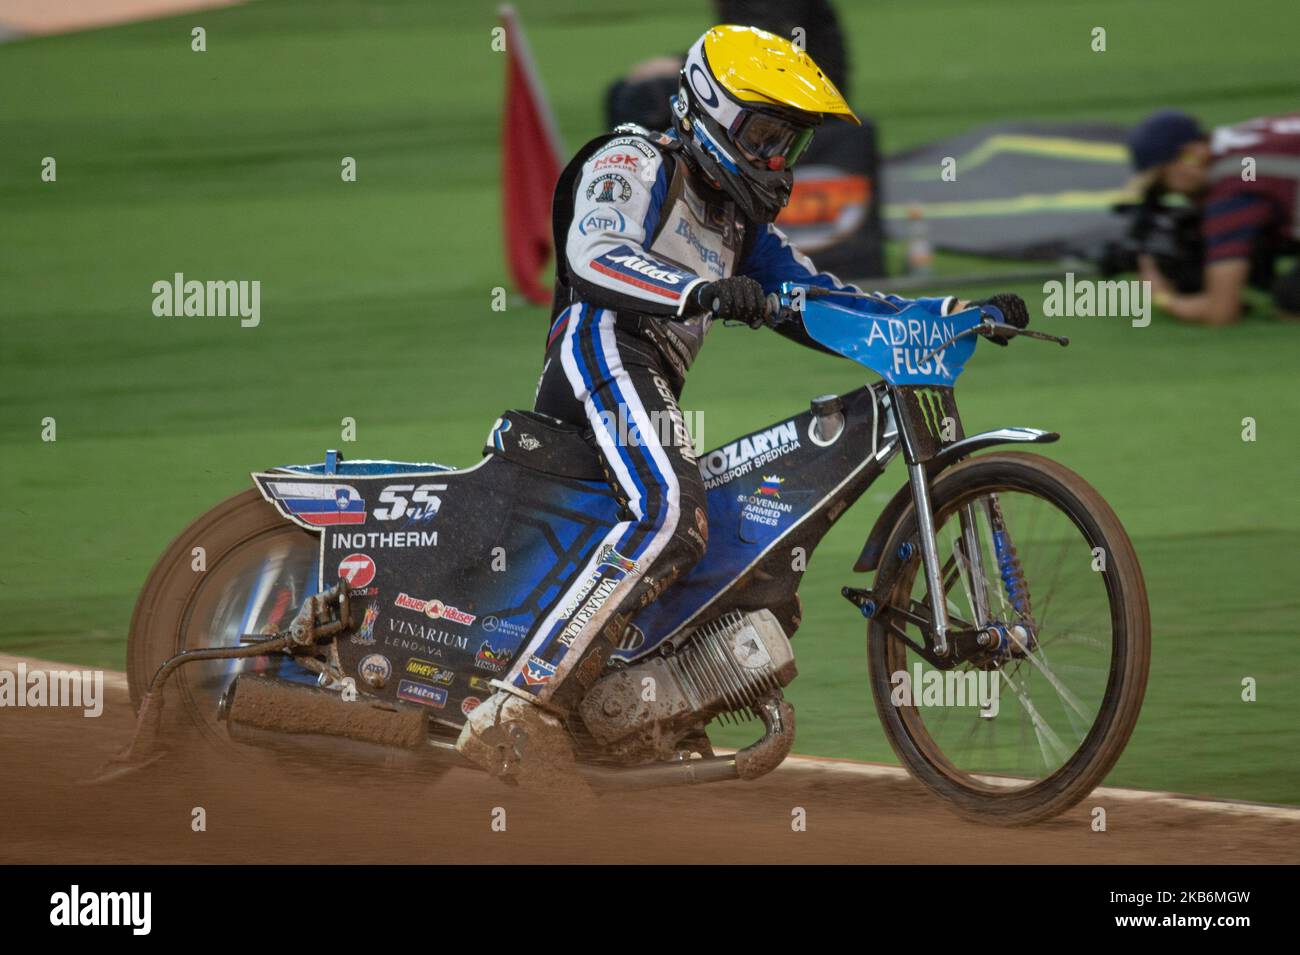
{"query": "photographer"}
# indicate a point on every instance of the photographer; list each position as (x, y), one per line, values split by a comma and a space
(1245, 180)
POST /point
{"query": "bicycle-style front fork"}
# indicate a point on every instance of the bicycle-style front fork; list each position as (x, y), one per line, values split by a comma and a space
(1001, 636)
(930, 555)
(969, 551)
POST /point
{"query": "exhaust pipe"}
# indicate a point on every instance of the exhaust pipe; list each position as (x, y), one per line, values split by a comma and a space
(755, 760)
(293, 718)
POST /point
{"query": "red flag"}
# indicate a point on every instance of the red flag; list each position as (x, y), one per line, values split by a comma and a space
(530, 166)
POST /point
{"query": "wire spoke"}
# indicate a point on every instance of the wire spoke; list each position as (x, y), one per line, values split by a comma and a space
(1042, 731)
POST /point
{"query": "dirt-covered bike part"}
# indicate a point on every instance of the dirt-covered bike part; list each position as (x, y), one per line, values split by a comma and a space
(161, 623)
(1130, 634)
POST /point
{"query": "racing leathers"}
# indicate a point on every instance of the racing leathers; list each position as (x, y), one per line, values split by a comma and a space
(637, 233)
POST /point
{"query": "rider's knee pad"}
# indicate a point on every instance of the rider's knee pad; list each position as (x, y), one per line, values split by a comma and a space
(690, 536)
(694, 524)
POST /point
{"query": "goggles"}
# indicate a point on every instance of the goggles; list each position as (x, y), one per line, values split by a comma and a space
(773, 142)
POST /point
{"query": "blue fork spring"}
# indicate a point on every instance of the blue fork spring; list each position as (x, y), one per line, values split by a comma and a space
(1013, 577)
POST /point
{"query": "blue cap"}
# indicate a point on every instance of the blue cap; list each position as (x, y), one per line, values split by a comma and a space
(1160, 137)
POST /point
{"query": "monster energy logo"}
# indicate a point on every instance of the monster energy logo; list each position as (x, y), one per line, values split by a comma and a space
(930, 403)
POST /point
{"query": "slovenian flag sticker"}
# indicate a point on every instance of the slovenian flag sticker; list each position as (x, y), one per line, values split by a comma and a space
(318, 504)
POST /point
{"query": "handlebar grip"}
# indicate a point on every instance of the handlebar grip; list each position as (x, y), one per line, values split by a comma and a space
(772, 313)
(775, 313)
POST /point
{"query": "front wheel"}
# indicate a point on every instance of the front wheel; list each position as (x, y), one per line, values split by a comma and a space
(1050, 639)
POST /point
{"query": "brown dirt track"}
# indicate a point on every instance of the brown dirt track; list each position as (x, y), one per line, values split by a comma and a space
(260, 812)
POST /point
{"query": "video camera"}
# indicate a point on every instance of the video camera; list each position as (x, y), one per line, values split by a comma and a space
(1170, 234)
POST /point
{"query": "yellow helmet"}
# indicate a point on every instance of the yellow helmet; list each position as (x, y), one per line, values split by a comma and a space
(757, 67)
(745, 110)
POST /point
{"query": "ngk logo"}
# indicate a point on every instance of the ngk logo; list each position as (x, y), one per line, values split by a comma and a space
(625, 161)
(357, 570)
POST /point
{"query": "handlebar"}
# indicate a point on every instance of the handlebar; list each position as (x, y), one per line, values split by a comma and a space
(775, 313)
(989, 328)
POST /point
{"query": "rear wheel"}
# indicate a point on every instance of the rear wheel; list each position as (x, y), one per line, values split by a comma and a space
(239, 570)
(1050, 632)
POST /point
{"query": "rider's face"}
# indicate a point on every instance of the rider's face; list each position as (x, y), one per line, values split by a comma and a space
(777, 162)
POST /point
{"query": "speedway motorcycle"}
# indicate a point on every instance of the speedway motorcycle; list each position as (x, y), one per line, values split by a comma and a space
(359, 609)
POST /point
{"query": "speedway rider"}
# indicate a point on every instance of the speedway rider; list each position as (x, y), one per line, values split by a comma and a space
(657, 234)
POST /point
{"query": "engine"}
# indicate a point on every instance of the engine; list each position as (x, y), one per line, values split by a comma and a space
(723, 668)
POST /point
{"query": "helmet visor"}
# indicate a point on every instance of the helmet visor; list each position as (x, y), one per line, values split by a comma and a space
(767, 138)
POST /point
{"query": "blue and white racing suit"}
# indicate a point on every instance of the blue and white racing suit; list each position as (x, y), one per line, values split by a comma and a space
(643, 233)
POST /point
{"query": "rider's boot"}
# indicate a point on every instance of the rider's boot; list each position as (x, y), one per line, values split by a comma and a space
(515, 739)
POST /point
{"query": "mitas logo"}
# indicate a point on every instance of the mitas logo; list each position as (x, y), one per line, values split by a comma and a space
(435, 609)
(357, 570)
(417, 692)
(649, 269)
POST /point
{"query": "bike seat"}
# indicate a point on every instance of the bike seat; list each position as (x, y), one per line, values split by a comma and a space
(542, 443)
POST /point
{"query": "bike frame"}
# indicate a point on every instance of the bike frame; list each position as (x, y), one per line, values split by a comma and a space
(919, 379)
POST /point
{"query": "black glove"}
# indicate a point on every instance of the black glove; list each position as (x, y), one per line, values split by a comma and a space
(1013, 310)
(739, 298)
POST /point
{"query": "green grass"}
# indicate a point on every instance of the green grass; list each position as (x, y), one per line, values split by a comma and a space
(376, 302)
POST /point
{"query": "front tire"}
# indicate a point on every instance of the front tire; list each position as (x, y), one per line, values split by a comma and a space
(1099, 655)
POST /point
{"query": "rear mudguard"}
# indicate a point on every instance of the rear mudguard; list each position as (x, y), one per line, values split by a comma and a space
(950, 455)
